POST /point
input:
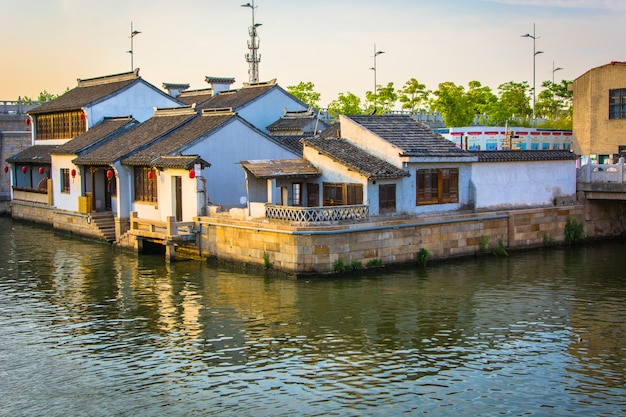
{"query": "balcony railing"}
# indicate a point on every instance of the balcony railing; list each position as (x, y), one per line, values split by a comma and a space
(317, 214)
(610, 173)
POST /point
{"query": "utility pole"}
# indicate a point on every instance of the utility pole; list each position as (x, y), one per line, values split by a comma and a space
(133, 33)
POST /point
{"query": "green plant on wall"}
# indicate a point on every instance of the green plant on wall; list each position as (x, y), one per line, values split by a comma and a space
(499, 249)
(339, 265)
(484, 243)
(266, 261)
(574, 230)
(423, 256)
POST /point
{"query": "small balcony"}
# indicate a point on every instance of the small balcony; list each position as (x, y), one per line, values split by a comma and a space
(308, 215)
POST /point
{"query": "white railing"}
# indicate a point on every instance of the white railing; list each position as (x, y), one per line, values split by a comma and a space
(602, 173)
(317, 214)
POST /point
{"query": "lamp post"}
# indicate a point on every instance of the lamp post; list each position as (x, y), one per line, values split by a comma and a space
(133, 33)
(253, 58)
(535, 53)
(554, 70)
(376, 53)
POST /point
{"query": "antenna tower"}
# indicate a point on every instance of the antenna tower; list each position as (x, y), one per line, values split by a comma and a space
(253, 57)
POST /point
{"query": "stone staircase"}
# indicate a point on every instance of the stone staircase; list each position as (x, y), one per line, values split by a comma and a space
(105, 221)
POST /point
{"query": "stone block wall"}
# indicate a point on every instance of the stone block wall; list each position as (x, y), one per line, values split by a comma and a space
(15, 136)
(317, 250)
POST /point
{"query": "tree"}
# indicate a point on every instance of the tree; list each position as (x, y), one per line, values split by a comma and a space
(43, 96)
(383, 100)
(513, 105)
(305, 93)
(480, 99)
(345, 104)
(413, 94)
(453, 103)
(554, 103)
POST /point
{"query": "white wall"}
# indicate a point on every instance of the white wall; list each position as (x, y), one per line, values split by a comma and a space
(137, 101)
(61, 200)
(521, 184)
(266, 110)
(224, 149)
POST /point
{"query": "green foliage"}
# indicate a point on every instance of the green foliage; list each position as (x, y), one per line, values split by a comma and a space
(305, 92)
(574, 230)
(412, 95)
(513, 104)
(554, 104)
(484, 243)
(423, 256)
(383, 101)
(499, 249)
(43, 96)
(374, 262)
(453, 104)
(547, 239)
(347, 103)
(355, 265)
(339, 265)
(266, 261)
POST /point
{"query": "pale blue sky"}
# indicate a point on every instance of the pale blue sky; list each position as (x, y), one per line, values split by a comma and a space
(48, 44)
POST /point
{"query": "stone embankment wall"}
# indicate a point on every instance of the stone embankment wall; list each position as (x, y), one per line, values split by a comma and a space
(317, 250)
(15, 136)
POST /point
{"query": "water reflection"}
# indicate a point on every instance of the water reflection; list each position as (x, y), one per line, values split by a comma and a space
(87, 330)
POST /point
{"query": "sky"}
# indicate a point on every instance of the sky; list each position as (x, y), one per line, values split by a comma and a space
(49, 44)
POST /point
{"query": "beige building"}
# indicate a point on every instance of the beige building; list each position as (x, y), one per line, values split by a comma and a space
(600, 113)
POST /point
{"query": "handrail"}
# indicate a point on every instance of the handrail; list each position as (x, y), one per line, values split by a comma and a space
(317, 214)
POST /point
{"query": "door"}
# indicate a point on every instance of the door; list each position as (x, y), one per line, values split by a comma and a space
(178, 197)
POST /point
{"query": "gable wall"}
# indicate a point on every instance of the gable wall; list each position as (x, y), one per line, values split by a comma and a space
(365, 139)
(138, 101)
(267, 109)
(224, 149)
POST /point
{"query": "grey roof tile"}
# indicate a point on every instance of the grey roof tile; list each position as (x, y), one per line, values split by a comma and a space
(347, 154)
(282, 168)
(105, 130)
(410, 136)
(517, 156)
(37, 154)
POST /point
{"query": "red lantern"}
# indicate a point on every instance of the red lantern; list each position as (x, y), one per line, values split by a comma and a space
(109, 174)
(28, 121)
(24, 169)
(151, 175)
(192, 174)
(82, 116)
(73, 173)
(6, 169)
(40, 170)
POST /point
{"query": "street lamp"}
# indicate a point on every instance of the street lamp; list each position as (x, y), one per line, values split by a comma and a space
(133, 33)
(535, 53)
(253, 58)
(554, 70)
(376, 53)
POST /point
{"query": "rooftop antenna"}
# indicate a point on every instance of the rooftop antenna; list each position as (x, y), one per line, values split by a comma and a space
(253, 57)
(133, 33)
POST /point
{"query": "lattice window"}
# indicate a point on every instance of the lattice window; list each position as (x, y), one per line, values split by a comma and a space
(145, 185)
(437, 186)
(62, 125)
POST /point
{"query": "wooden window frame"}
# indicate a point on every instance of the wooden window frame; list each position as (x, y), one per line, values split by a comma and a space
(436, 186)
(145, 188)
(617, 103)
(342, 194)
(387, 198)
(65, 180)
(61, 125)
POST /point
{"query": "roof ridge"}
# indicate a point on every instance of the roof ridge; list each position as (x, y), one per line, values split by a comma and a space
(108, 79)
(175, 111)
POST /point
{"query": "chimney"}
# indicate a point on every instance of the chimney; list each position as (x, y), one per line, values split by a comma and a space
(219, 84)
(174, 90)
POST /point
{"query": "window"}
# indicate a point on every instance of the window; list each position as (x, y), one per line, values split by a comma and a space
(312, 194)
(65, 180)
(617, 103)
(296, 190)
(339, 194)
(387, 198)
(63, 125)
(437, 186)
(145, 186)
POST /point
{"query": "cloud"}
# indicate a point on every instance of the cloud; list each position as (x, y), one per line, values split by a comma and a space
(569, 4)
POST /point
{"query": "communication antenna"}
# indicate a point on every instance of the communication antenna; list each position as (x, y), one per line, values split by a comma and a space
(253, 57)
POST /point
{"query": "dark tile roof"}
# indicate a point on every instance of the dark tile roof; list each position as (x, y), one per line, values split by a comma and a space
(331, 132)
(410, 136)
(181, 138)
(179, 161)
(163, 122)
(291, 142)
(282, 168)
(235, 99)
(105, 130)
(516, 156)
(196, 96)
(38, 154)
(88, 91)
(347, 154)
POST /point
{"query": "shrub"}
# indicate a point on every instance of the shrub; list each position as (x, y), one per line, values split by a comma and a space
(423, 256)
(266, 261)
(499, 249)
(339, 265)
(354, 265)
(484, 242)
(374, 262)
(574, 230)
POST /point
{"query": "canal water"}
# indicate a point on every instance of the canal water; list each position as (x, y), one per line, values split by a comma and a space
(86, 330)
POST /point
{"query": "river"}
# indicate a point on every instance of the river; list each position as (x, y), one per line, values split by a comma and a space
(87, 330)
